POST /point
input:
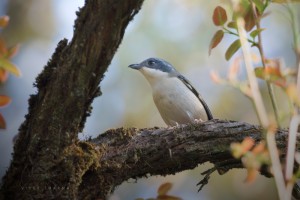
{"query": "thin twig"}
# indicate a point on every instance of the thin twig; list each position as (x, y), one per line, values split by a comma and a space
(261, 52)
(290, 156)
(262, 114)
(276, 166)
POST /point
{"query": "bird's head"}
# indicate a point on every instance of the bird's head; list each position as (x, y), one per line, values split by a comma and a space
(154, 69)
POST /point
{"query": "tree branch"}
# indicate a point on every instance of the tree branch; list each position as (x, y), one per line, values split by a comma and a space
(134, 153)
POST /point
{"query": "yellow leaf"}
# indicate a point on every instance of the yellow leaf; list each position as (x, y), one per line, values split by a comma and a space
(292, 93)
(8, 66)
(164, 188)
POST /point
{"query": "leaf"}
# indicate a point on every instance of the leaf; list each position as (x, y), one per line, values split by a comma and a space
(247, 144)
(216, 39)
(271, 74)
(164, 188)
(249, 20)
(232, 49)
(3, 48)
(251, 175)
(3, 75)
(2, 122)
(4, 21)
(259, 5)
(219, 16)
(291, 91)
(167, 197)
(4, 100)
(259, 148)
(12, 51)
(232, 24)
(8, 66)
(255, 32)
(215, 77)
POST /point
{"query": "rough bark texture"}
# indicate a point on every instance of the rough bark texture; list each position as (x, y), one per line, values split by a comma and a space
(50, 163)
(46, 154)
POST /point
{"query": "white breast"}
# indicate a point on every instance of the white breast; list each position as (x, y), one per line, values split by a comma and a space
(175, 102)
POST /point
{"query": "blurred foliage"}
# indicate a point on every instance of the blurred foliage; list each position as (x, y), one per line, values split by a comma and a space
(162, 193)
(6, 66)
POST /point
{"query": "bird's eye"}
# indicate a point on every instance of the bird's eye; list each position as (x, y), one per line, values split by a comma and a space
(151, 62)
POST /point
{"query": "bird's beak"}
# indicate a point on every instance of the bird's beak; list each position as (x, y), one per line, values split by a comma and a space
(135, 66)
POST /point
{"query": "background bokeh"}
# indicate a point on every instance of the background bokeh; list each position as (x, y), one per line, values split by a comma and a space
(176, 30)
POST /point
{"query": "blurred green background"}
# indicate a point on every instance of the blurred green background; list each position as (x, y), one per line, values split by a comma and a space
(178, 31)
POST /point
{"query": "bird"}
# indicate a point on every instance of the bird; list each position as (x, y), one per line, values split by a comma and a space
(177, 101)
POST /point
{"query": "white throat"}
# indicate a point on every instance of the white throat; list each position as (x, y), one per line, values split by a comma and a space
(154, 76)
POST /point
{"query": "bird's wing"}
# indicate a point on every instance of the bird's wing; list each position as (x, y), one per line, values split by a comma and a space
(188, 84)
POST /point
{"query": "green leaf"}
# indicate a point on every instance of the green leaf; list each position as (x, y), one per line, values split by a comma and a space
(232, 49)
(255, 32)
(232, 24)
(259, 5)
(219, 16)
(217, 38)
(8, 66)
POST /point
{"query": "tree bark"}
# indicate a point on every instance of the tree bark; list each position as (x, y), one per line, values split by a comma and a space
(50, 163)
(46, 155)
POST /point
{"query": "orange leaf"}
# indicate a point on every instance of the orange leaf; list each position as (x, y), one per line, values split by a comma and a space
(2, 122)
(3, 48)
(215, 77)
(3, 75)
(164, 188)
(4, 100)
(216, 39)
(234, 69)
(4, 21)
(249, 20)
(219, 16)
(247, 144)
(271, 74)
(251, 175)
(167, 197)
(259, 148)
